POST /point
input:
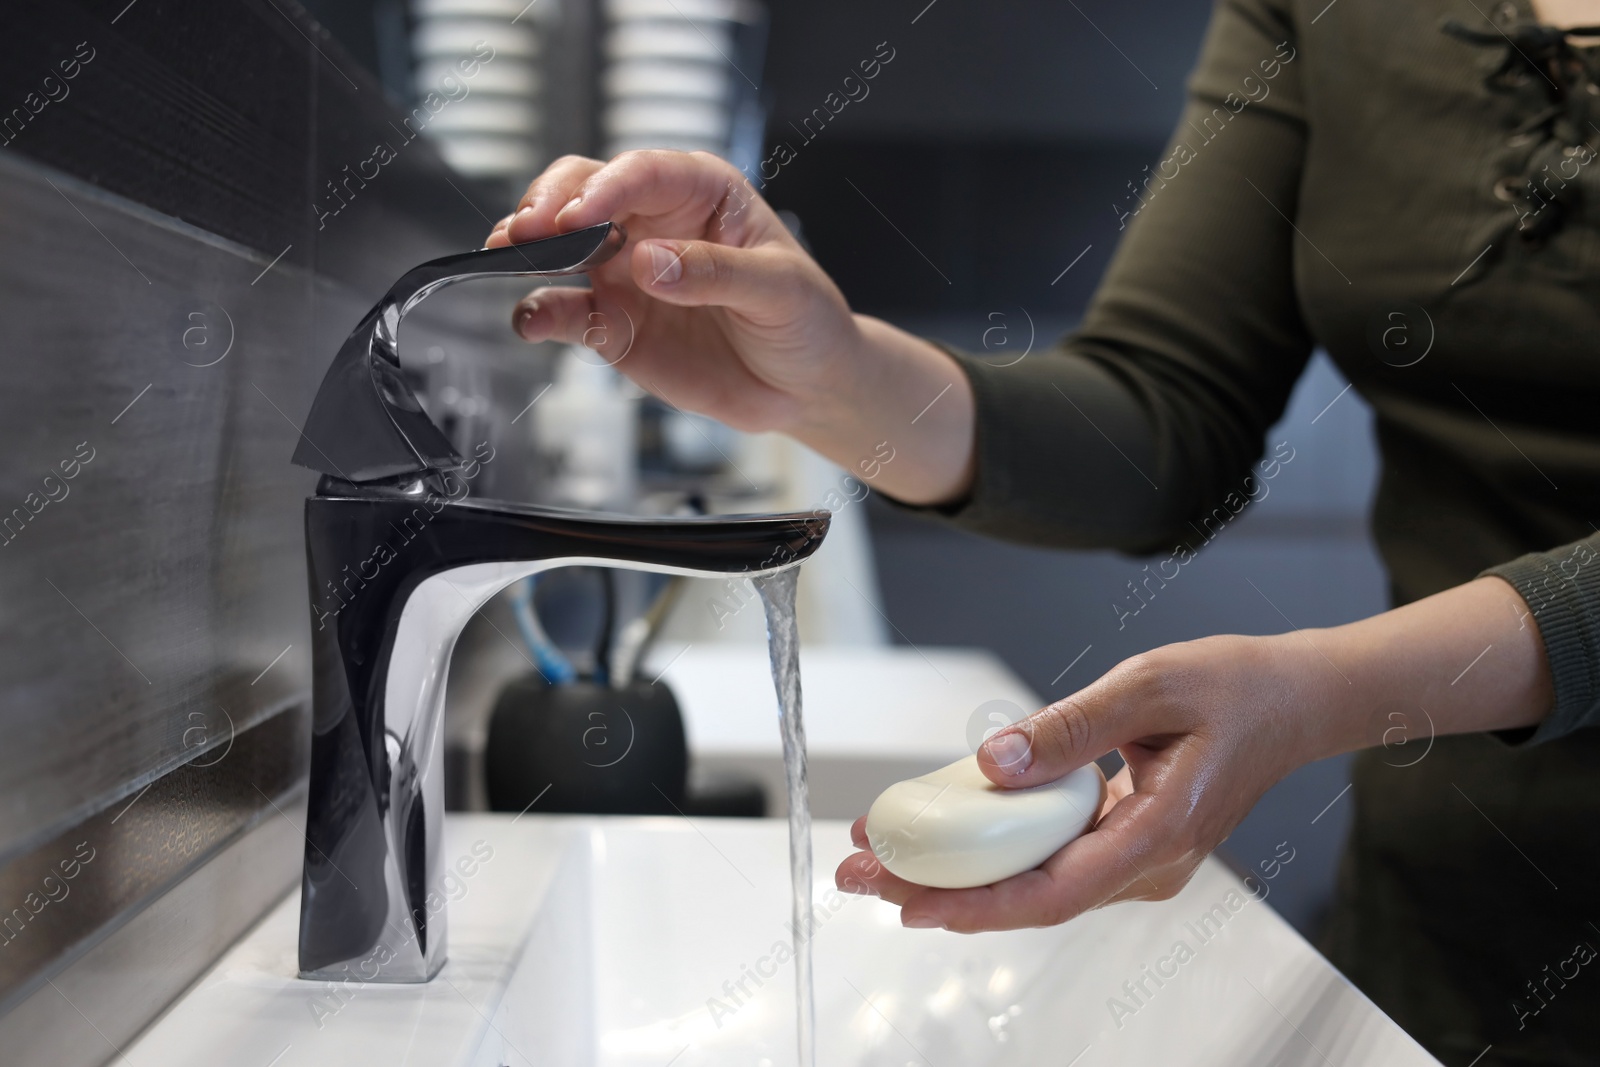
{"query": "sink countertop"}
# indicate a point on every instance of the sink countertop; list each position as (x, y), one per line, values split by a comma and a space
(891, 702)
(874, 715)
(580, 940)
(251, 1010)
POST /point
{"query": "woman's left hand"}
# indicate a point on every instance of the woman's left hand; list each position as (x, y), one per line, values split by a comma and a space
(1206, 727)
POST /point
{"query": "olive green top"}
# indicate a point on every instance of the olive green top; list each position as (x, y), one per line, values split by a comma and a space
(1426, 207)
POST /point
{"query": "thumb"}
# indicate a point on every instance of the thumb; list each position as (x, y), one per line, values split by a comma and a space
(1060, 738)
(764, 283)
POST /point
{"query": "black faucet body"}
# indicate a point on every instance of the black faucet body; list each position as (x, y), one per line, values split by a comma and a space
(399, 559)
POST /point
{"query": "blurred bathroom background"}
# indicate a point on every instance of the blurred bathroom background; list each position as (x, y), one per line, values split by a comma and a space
(970, 190)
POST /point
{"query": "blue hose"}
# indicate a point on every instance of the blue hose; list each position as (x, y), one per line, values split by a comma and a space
(547, 658)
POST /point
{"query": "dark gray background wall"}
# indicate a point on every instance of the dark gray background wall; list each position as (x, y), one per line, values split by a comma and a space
(995, 141)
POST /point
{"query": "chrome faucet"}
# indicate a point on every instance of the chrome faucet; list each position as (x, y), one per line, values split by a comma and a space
(398, 561)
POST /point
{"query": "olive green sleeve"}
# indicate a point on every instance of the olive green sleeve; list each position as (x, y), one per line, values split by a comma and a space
(1146, 419)
(1562, 588)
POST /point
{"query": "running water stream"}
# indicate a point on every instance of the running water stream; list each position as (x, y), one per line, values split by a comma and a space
(783, 643)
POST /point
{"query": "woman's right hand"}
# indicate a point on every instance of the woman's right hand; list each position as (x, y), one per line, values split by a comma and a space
(715, 308)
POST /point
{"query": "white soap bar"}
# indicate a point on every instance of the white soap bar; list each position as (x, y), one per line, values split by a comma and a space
(954, 829)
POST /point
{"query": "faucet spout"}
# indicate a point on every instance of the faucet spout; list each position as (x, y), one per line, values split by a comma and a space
(393, 581)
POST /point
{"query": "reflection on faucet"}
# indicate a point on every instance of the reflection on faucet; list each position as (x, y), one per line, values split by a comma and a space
(410, 558)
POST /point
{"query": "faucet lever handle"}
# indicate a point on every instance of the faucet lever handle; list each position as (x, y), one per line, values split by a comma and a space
(366, 424)
(568, 253)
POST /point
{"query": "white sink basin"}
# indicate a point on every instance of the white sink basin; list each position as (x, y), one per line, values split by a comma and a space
(625, 941)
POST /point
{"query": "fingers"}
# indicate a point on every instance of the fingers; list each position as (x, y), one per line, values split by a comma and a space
(765, 284)
(497, 236)
(1118, 786)
(863, 873)
(1124, 706)
(1128, 857)
(687, 188)
(1142, 848)
(1051, 741)
(556, 313)
(546, 195)
(682, 192)
(1122, 859)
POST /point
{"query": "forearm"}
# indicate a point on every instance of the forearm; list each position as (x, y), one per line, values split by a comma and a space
(1145, 426)
(897, 395)
(1469, 659)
